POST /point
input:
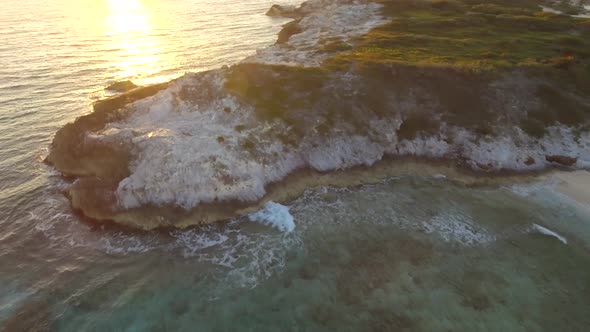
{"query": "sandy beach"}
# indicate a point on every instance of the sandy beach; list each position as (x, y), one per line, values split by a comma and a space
(575, 185)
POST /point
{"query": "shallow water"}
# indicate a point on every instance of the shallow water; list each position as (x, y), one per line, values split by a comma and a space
(56, 57)
(417, 253)
(408, 253)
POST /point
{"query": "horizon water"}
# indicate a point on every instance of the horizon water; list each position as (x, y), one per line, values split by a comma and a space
(415, 253)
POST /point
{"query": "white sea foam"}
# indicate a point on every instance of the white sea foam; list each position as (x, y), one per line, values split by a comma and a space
(551, 10)
(275, 215)
(53, 219)
(584, 13)
(583, 163)
(548, 232)
(327, 20)
(188, 151)
(507, 151)
(343, 152)
(245, 257)
(455, 227)
(121, 243)
(181, 160)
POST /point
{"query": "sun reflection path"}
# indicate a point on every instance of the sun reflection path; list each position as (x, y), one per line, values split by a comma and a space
(130, 26)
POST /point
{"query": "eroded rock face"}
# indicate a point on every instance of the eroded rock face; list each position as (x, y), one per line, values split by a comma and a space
(122, 86)
(284, 11)
(562, 160)
(75, 153)
(180, 157)
(318, 22)
(213, 145)
(529, 161)
(289, 29)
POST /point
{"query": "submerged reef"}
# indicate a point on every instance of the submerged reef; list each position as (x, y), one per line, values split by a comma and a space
(483, 86)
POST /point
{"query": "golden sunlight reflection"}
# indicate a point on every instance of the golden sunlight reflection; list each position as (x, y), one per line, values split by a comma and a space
(127, 16)
(130, 27)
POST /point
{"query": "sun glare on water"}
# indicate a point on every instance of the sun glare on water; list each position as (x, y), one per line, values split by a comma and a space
(127, 16)
(131, 28)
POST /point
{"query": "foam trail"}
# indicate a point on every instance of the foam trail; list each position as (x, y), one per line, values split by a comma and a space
(549, 232)
(274, 215)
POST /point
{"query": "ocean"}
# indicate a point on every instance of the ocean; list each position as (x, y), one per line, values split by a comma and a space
(403, 254)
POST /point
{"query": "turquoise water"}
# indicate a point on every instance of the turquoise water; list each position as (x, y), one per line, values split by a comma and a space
(415, 254)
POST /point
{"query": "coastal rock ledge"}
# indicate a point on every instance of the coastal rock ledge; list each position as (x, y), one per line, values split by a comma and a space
(284, 11)
(342, 104)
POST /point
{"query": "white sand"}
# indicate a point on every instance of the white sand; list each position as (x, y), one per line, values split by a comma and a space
(575, 185)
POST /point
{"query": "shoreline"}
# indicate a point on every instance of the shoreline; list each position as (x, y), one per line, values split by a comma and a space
(100, 166)
(575, 185)
(295, 184)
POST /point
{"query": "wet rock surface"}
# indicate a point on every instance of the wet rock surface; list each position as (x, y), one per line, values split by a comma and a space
(562, 160)
(284, 11)
(122, 86)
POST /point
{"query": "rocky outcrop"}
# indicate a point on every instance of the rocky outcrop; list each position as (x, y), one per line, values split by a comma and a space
(122, 86)
(74, 154)
(562, 160)
(284, 11)
(289, 29)
(529, 161)
(212, 145)
(218, 144)
(119, 101)
(317, 26)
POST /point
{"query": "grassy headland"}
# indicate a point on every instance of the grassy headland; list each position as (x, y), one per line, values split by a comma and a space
(456, 51)
(447, 81)
(472, 34)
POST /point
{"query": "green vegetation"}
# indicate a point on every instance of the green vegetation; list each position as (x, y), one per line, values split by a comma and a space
(334, 45)
(476, 64)
(274, 89)
(558, 107)
(472, 34)
(418, 123)
(476, 36)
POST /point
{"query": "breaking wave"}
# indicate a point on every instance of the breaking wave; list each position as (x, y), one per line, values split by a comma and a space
(242, 255)
(274, 215)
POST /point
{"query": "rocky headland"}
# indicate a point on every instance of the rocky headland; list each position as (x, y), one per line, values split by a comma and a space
(353, 91)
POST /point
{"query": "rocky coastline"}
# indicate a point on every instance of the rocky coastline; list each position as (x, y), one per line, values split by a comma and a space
(323, 106)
